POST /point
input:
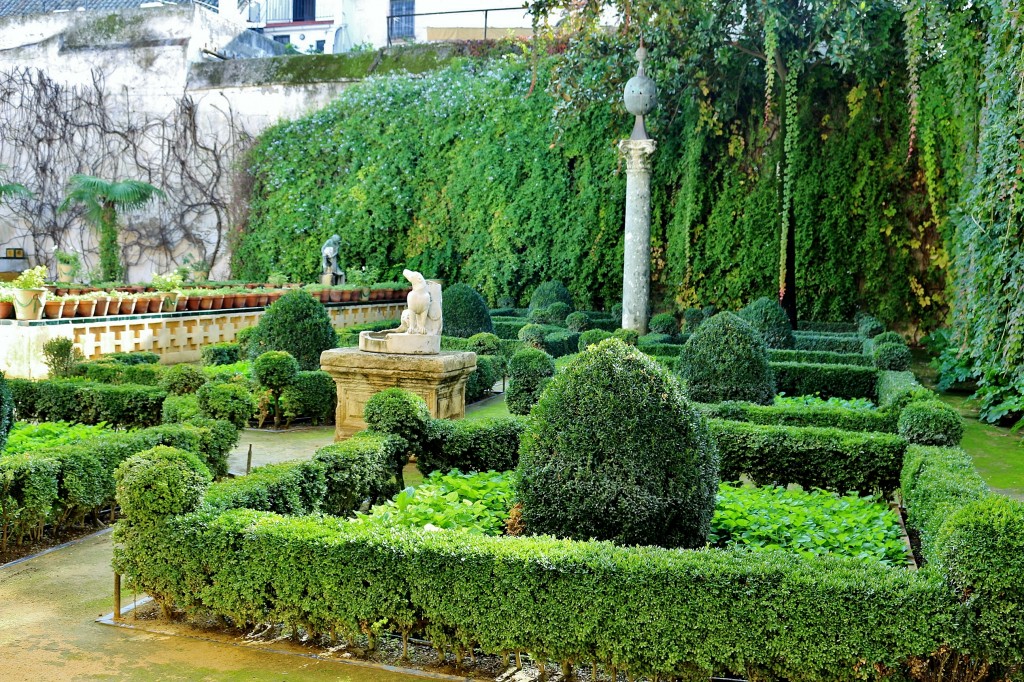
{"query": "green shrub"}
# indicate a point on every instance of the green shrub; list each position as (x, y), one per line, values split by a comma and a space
(548, 293)
(529, 371)
(464, 312)
(769, 319)
(820, 357)
(664, 323)
(869, 327)
(349, 336)
(107, 372)
(143, 374)
(228, 400)
(931, 422)
(894, 357)
(612, 451)
(661, 349)
(139, 357)
(179, 408)
(275, 371)
(889, 337)
(6, 410)
(726, 359)
(223, 353)
(484, 343)
(577, 321)
(402, 414)
(61, 357)
(86, 402)
(981, 549)
(561, 343)
(358, 469)
(297, 324)
(655, 339)
(182, 379)
(160, 482)
(832, 343)
(312, 395)
(630, 337)
(479, 445)
(532, 335)
(616, 314)
(243, 337)
(827, 327)
(592, 337)
(832, 459)
(558, 312)
(896, 390)
(286, 488)
(488, 372)
(692, 319)
(826, 381)
(217, 438)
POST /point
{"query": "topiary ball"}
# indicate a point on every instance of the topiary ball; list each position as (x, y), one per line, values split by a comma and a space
(228, 400)
(630, 337)
(771, 322)
(296, 323)
(592, 337)
(869, 327)
(529, 370)
(464, 312)
(548, 293)
(160, 482)
(614, 452)
(532, 335)
(664, 323)
(889, 337)
(275, 370)
(894, 357)
(726, 359)
(484, 343)
(931, 422)
(182, 379)
(398, 413)
(538, 316)
(557, 312)
(578, 321)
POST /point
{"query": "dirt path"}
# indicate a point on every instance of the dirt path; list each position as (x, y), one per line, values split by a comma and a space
(48, 607)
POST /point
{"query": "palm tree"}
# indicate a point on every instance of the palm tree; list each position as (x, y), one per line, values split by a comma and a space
(102, 200)
(12, 189)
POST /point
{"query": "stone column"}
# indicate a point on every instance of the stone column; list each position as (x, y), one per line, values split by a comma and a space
(636, 273)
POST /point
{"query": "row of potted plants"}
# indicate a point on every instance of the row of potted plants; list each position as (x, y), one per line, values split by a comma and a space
(30, 298)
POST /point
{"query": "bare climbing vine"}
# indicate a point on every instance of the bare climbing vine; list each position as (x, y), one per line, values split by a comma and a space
(50, 131)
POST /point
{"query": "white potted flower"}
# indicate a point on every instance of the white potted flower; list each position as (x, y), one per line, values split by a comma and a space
(29, 293)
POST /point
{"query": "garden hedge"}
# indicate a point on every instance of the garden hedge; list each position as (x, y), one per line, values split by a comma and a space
(835, 343)
(828, 327)
(87, 402)
(813, 457)
(479, 445)
(826, 416)
(508, 327)
(6, 410)
(820, 357)
(227, 353)
(312, 395)
(826, 381)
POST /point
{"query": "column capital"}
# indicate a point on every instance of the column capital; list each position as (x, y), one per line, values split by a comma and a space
(638, 154)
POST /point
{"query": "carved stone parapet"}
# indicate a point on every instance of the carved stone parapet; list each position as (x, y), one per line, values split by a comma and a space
(637, 154)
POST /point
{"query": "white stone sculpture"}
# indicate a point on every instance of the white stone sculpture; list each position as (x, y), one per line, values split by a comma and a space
(420, 331)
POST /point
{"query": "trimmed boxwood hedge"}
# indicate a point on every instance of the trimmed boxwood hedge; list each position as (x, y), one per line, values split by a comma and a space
(479, 445)
(830, 327)
(827, 416)
(813, 457)
(827, 381)
(834, 343)
(820, 357)
(87, 402)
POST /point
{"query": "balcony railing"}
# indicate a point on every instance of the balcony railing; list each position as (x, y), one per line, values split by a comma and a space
(401, 25)
(284, 11)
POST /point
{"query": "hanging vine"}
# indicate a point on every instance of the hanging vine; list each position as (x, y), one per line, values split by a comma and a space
(793, 64)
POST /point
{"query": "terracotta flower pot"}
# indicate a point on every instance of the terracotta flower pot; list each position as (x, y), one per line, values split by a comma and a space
(28, 303)
(252, 300)
(262, 299)
(6, 310)
(194, 302)
(156, 303)
(240, 300)
(86, 308)
(127, 306)
(52, 309)
(102, 304)
(181, 303)
(206, 303)
(218, 301)
(70, 308)
(337, 295)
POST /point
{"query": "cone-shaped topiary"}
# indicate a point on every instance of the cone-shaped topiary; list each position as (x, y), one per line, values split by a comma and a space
(614, 452)
(295, 323)
(464, 312)
(770, 320)
(548, 293)
(726, 359)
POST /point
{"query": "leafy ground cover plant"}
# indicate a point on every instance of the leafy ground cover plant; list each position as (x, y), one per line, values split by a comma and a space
(818, 401)
(816, 522)
(25, 437)
(475, 503)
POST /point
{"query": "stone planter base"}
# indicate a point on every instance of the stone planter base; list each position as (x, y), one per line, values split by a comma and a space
(439, 379)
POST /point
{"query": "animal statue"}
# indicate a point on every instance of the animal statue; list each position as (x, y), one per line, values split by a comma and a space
(329, 256)
(423, 314)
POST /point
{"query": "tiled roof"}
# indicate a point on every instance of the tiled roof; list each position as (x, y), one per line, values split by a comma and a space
(16, 7)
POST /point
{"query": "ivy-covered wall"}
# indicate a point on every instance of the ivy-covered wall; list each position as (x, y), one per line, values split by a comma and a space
(505, 173)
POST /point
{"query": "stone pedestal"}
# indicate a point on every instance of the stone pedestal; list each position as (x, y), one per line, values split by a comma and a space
(439, 379)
